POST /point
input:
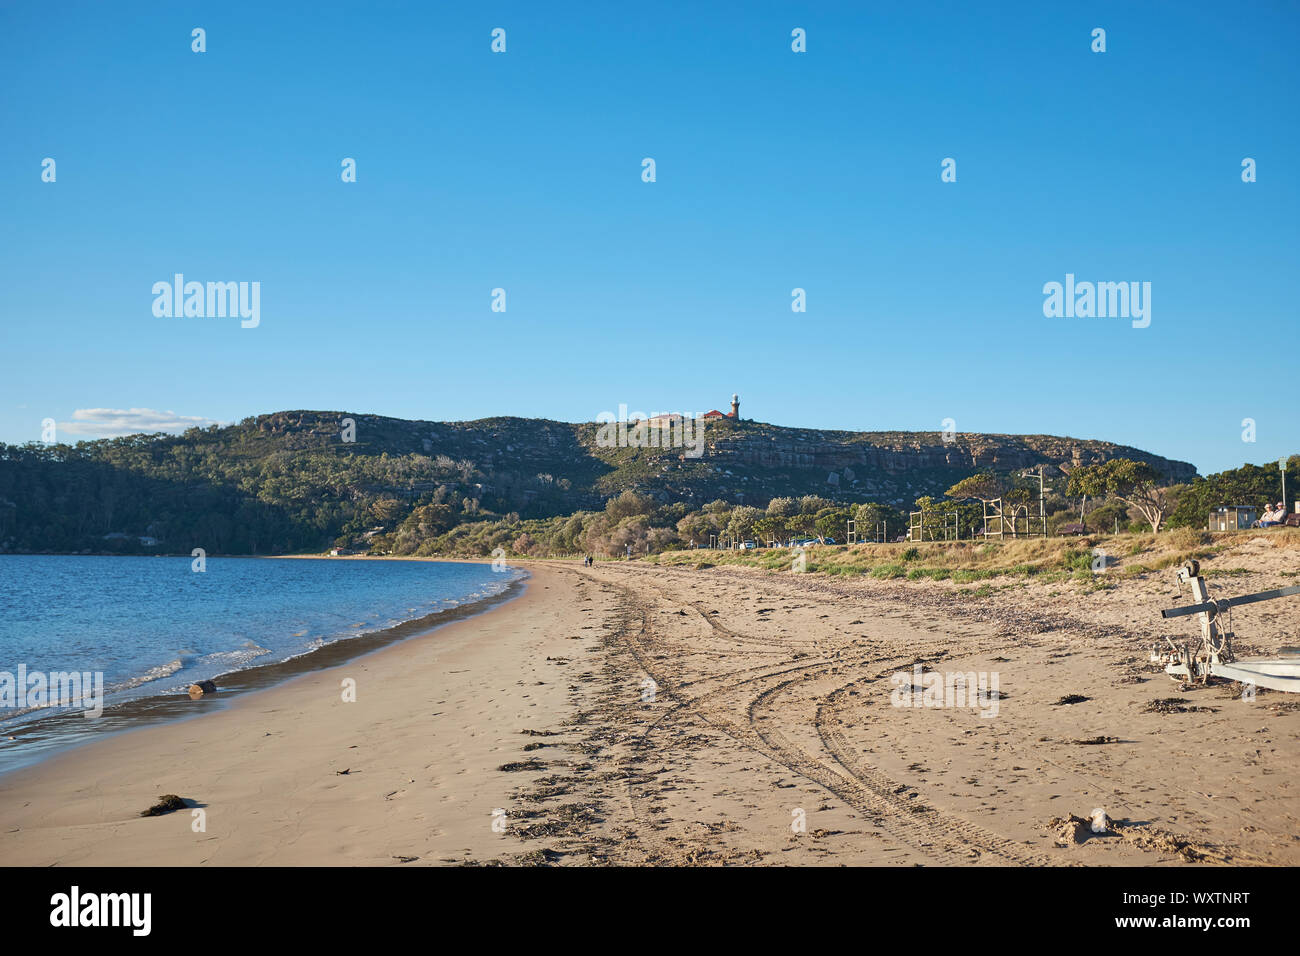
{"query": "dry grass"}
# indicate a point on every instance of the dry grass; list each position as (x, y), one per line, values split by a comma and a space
(1045, 558)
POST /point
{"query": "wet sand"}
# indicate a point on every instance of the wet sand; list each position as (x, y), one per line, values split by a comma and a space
(433, 717)
(34, 740)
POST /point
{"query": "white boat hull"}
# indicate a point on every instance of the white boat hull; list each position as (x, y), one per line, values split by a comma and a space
(1275, 673)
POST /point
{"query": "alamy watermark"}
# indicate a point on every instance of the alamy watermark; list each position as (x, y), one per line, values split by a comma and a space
(39, 690)
(129, 910)
(924, 688)
(1102, 300)
(661, 430)
(195, 300)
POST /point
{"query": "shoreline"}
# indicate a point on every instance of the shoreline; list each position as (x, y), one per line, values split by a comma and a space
(243, 760)
(636, 715)
(43, 737)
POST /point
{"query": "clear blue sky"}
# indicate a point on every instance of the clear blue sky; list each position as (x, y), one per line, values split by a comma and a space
(775, 170)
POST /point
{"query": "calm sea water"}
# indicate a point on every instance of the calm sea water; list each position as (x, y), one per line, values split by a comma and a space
(153, 626)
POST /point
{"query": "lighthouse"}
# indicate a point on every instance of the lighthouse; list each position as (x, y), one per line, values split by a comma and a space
(735, 407)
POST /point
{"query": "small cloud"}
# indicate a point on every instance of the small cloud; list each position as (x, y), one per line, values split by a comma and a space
(112, 422)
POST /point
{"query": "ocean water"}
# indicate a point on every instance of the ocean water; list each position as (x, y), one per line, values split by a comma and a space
(153, 626)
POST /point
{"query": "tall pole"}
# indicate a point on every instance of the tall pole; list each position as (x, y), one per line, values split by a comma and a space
(1042, 500)
(1281, 463)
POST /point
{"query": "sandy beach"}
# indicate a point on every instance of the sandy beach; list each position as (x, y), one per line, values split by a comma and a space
(635, 714)
(433, 718)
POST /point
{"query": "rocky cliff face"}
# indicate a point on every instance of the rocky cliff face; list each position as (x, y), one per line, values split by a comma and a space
(896, 454)
(752, 462)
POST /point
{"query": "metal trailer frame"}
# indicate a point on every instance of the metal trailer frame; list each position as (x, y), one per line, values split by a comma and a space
(1214, 658)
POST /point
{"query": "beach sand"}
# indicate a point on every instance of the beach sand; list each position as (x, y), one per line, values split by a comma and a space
(636, 714)
(434, 717)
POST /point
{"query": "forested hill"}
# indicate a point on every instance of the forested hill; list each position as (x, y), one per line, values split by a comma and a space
(289, 481)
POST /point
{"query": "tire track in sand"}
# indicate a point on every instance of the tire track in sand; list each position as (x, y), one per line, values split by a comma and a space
(937, 834)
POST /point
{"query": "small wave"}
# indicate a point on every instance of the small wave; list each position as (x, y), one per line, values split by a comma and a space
(152, 674)
(249, 651)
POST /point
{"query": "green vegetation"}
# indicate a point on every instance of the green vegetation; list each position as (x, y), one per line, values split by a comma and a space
(1256, 485)
(288, 483)
(1137, 484)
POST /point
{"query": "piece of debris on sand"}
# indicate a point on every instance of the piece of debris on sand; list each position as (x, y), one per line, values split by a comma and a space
(1175, 705)
(1071, 830)
(167, 803)
(1158, 841)
(202, 689)
(1071, 699)
(532, 763)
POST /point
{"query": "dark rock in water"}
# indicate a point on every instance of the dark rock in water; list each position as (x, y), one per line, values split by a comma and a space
(167, 803)
(201, 688)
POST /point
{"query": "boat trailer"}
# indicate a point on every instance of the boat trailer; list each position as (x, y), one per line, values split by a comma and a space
(1214, 658)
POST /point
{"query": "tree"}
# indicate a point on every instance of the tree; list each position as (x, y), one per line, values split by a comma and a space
(627, 504)
(811, 504)
(697, 526)
(743, 518)
(1083, 498)
(831, 522)
(771, 528)
(1133, 482)
(783, 507)
(801, 524)
(986, 486)
(873, 515)
(934, 515)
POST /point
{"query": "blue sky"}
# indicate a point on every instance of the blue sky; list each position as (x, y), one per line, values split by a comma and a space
(775, 170)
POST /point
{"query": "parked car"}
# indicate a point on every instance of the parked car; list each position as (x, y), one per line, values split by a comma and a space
(749, 545)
